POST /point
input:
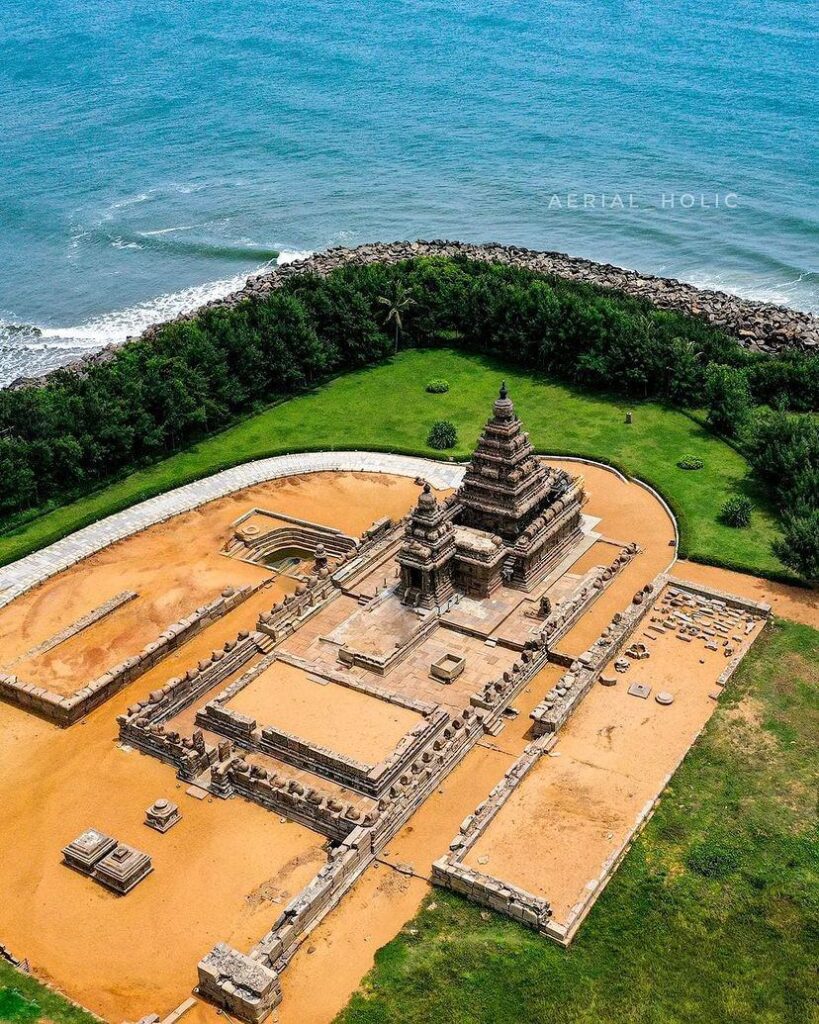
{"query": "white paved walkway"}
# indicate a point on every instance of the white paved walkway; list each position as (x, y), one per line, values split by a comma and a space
(20, 576)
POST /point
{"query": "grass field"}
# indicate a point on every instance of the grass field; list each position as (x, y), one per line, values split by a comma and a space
(712, 918)
(24, 1000)
(386, 407)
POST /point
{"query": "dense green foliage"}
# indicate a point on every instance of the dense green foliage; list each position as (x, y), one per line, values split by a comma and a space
(785, 451)
(736, 511)
(728, 397)
(438, 386)
(157, 397)
(712, 918)
(690, 462)
(442, 435)
(350, 412)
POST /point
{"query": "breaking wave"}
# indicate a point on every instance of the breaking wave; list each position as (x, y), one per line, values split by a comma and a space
(30, 350)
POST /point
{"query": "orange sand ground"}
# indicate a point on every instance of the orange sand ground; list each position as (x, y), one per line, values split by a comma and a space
(228, 868)
(629, 513)
(157, 564)
(330, 715)
(578, 804)
(795, 603)
(327, 968)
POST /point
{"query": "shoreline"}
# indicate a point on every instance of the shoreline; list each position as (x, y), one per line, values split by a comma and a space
(757, 326)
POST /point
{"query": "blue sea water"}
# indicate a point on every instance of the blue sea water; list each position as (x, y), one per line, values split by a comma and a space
(154, 152)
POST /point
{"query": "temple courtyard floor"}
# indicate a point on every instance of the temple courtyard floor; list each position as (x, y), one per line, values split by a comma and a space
(226, 871)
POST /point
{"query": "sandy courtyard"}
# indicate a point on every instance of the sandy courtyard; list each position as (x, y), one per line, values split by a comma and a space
(577, 806)
(157, 564)
(226, 871)
(328, 714)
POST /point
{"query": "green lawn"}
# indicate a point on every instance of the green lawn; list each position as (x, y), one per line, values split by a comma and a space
(387, 407)
(24, 1000)
(713, 917)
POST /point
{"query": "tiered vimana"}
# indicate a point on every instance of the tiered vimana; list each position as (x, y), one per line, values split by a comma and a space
(513, 517)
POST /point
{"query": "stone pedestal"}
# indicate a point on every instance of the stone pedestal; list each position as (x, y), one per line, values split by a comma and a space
(87, 850)
(122, 869)
(162, 815)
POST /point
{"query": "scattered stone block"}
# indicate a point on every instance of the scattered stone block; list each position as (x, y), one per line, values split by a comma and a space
(665, 698)
(641, 690)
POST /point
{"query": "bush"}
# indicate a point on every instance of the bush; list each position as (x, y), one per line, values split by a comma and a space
(799, 545)
(442, 435)
(438, 386)
(713, 858)
(690, 462)
(737, 511)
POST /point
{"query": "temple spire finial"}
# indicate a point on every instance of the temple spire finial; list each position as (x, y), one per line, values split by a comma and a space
(504, 391)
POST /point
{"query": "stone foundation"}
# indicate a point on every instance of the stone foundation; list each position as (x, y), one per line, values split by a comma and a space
(64, 711)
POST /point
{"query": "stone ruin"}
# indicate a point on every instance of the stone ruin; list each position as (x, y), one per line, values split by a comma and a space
(117, 866)
(504, 532)
(509, 524)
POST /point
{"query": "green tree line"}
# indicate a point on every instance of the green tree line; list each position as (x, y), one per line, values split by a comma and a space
(156, 396)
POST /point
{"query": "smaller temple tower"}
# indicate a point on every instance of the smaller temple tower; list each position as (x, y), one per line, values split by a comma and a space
(425, 558)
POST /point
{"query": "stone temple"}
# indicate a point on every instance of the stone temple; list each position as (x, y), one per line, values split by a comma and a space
(510, 522)
(455, 642)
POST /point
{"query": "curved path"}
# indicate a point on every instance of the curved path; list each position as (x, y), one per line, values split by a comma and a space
(28, 572)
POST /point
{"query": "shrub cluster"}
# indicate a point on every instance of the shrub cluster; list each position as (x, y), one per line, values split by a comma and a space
(438, 386)
(737, 511)
(690, 462)
(442, 435)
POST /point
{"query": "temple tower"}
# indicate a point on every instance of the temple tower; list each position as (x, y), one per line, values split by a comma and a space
(505, 483)
(425, 558)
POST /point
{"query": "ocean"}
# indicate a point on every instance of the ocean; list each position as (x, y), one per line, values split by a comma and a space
(155, 153)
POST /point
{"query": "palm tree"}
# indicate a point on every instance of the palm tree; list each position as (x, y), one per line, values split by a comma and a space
(400, 300)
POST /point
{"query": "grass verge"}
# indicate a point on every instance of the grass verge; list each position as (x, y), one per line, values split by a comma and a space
(23, 1000)
(712, 917)
(387, 407)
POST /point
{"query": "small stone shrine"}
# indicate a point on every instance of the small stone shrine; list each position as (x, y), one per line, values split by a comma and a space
(162, 815)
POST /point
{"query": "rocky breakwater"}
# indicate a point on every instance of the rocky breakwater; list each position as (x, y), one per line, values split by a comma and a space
(758, 326)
